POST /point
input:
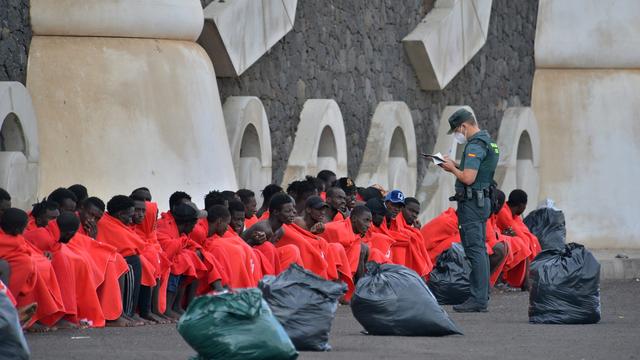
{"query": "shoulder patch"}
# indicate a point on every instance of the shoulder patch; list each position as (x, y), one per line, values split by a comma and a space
(471, 155)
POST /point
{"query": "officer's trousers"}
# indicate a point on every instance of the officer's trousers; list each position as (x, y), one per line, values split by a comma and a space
(472, 223)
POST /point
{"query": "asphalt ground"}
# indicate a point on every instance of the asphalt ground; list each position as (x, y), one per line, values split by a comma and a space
(503, 333)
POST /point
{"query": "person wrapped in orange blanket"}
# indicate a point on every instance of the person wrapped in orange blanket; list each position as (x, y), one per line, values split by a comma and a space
(109, 267)
(350, 234)
(406, 249)
(407, 222)
(248, 199)
(152, 297)
(317, 255)
(242, 265)
(115, 229)
(509, 221)
(193, 269)
(30, 281)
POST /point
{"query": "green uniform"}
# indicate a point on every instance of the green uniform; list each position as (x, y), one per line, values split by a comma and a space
(474, 209)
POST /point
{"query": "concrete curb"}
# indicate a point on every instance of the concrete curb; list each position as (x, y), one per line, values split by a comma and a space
(618, 268)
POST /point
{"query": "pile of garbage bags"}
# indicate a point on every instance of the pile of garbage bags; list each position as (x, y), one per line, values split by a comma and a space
(565, 287)
(548, 225)
(236, 325)
(449, 280)
(394, 300)
(305, 304)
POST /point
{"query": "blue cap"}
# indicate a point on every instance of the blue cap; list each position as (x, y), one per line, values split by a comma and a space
(395, 196)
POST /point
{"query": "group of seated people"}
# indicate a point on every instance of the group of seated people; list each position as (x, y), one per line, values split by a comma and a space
(73, 261)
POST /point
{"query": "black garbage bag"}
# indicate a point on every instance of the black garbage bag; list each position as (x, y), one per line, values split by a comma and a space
(565, 287)
(393, 300)
(233, 326)
(12, 342)
(449, 280)
(305, 304)
(548, 225)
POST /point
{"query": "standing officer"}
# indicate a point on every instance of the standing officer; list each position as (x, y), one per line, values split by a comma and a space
(474, 177)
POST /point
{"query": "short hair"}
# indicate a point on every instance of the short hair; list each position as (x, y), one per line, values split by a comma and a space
(68, 221)
(59, 195)
(94, 201)
(347, 185)
(214, 197)
(229, 195)
(411, 200)
(326, 175)
(137, 197)
(4, 195)
(331, 192)
(376, 206)
(517, 197)
(245, 195)
(217, 212)
(14, 221)
(270, 190)
(299, 187)
(370, 193)
(184, 213)
(360, 210)
(141, 189)
(41, 207)
(278, 201)
(80, 191)
(236, 205)
(177, 197)
(119, 203)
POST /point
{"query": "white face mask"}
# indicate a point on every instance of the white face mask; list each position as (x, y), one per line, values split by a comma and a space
(460, 138)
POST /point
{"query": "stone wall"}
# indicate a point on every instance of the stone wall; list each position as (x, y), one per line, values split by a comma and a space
(15, 36)
(350, 50)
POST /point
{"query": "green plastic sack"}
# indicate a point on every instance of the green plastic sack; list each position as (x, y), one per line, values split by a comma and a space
(236, 325)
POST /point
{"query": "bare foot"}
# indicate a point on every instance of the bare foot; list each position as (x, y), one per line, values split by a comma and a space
(172, 315)
(148, 319)
(137, 320)
(26, 313)
(119, 322)
(66, 324)
(157, 319)
(40, 328)
(167, 319)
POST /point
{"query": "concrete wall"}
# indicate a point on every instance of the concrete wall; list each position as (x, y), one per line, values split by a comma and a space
(128, 113)
(351, 51)
(586, 97)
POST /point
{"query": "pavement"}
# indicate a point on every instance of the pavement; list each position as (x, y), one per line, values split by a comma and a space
(503, 333)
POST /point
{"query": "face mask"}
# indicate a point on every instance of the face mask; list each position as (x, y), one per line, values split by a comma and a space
(460, 138)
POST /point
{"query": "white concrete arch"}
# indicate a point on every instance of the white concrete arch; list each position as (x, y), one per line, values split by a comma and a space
(154, 19)
(519, 144)
(250, 141)
(320, 142)
(390, 156)
(19, 150)
(438, 185)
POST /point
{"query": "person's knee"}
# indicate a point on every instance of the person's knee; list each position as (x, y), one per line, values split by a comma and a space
(500, 250)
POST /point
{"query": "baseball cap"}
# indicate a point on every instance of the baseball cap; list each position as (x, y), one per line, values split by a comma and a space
(315, 202)
(457, 118)
(395, 196)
